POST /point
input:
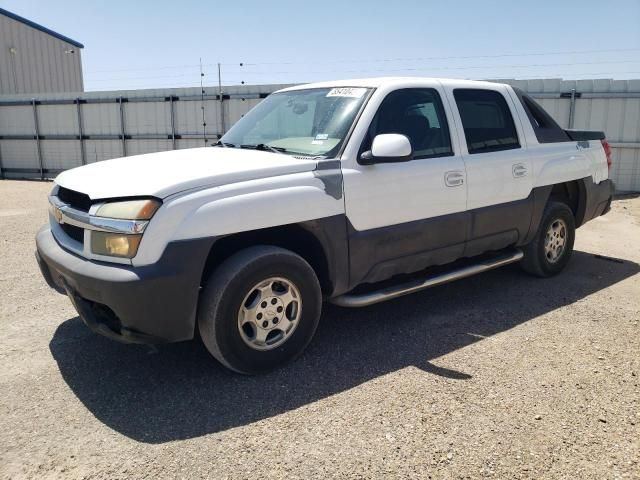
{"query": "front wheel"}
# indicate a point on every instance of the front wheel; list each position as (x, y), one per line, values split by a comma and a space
(550, 250)
(259, 309)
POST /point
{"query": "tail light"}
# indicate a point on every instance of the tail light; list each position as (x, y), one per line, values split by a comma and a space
(607, 152)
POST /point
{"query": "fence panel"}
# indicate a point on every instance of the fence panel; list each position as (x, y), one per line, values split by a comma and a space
(73, 129)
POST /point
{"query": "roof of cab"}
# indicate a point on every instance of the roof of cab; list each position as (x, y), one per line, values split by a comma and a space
(377, 82)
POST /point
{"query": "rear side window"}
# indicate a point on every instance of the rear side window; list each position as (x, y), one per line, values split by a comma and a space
(487, 121)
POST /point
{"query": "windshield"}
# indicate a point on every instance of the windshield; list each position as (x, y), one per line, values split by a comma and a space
(311, 122)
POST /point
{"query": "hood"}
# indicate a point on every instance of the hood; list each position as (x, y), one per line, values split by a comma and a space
(165, 173)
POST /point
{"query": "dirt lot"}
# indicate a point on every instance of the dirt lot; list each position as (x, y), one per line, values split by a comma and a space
(501, 375)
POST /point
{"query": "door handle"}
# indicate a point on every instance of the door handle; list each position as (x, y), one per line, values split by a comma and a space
(454, 178)
(520, 170)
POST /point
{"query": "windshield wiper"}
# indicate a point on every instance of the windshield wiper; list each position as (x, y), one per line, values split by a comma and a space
(265, 147)
(220, 143)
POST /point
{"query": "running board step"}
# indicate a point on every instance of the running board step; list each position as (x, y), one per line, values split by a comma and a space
(395, 291)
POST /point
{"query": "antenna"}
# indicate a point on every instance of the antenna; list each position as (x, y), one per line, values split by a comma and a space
(204, 120)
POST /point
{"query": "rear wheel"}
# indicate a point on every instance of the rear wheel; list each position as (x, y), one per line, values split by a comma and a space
(259, 309)
(550, 250)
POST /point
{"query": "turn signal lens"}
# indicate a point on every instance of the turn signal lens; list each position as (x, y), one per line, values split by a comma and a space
(115, 244)
(129, 210)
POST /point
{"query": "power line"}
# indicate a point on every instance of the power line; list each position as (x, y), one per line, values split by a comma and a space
(300, 80)
(162, 67)
(552, 75)
(179, 75)
(373, 60)
(163, 86)
(441, 68)
(408, 59)
(415, 69)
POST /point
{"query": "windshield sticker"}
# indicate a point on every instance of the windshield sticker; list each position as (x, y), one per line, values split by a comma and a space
(322, 136)
(347, 92)
(316, 142)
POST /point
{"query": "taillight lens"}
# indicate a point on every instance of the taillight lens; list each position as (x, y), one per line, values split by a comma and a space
(607, 152)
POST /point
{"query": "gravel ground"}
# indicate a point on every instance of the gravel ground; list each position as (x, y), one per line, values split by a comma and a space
(501, 375)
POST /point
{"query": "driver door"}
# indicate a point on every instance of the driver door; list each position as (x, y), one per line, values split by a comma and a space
(406, 216)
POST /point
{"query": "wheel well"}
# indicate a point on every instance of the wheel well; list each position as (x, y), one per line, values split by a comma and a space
(569, 193)
(291, 237)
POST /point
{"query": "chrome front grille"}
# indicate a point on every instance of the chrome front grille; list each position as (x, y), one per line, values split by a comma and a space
(73, 224)
(69, 235)
(64, 213)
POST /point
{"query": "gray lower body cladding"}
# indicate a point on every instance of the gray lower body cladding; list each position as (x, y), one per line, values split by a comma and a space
(381, 253)
(597, 197)
(150, 304)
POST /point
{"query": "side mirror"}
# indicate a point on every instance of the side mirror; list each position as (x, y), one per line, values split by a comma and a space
(387, 148)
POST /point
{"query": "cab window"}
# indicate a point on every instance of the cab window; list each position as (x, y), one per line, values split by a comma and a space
(486, 119)
(417, 113)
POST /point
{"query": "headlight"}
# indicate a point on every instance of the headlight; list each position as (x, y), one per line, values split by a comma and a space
(129, 210)
(115, 244)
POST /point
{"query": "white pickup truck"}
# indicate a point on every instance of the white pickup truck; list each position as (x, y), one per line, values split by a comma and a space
(353, 192)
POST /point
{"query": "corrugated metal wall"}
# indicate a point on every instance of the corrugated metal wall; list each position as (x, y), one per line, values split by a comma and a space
(88, 127)
(58, 131)
(35, 61)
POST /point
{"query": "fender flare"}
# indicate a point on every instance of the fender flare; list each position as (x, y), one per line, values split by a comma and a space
(593, 200)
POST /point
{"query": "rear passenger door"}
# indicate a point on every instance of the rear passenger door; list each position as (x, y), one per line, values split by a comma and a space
(499, 176)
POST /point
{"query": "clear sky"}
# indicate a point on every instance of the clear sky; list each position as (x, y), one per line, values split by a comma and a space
(146, 44)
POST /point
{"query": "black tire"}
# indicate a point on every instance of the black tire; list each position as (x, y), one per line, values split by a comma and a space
(225, 292)
(536, 261)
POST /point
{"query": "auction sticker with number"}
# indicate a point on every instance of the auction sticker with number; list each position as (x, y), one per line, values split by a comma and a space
(347, 92)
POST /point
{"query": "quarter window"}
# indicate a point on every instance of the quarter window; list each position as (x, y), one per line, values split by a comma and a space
(544, 126)
(487, 121)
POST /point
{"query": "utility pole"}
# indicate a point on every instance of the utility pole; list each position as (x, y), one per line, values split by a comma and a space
(204, 120)
(222, 129)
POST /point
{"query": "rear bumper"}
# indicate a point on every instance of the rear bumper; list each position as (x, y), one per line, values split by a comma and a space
(598, 197)
(151, 304)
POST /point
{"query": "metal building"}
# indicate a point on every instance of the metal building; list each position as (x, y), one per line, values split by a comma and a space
(34, 59)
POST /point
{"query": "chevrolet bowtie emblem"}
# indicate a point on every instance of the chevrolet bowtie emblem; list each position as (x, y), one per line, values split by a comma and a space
(57, 213)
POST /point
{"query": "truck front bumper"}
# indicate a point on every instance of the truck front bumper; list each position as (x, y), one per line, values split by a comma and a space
(150, 304)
